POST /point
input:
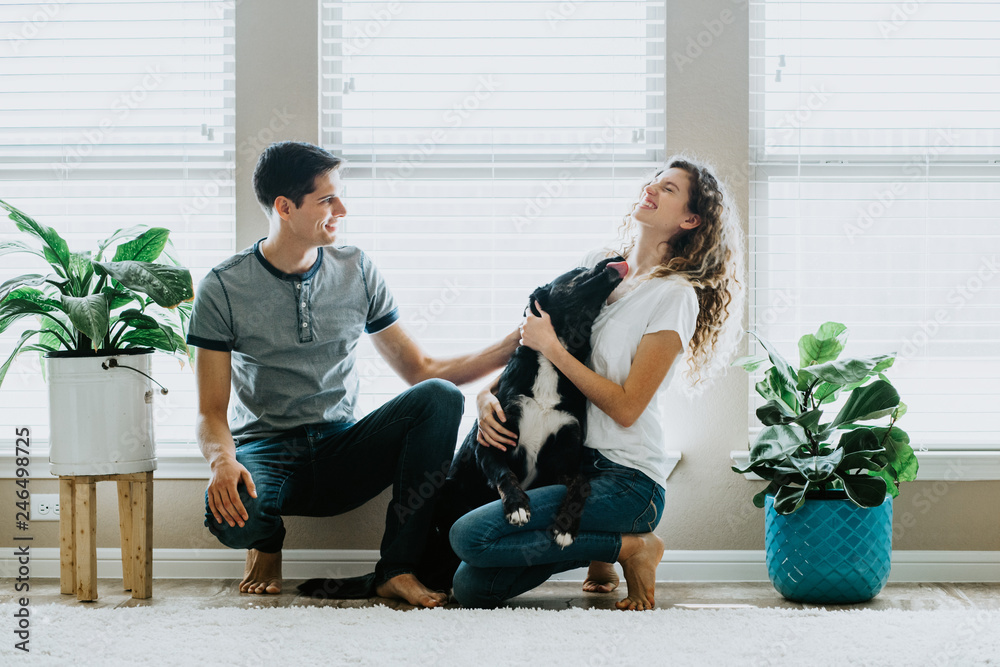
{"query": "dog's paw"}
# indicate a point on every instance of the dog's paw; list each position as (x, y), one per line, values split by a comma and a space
(519, 516)
(563, 539)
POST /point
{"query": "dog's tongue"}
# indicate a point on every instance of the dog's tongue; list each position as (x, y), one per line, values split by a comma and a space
(620, 267)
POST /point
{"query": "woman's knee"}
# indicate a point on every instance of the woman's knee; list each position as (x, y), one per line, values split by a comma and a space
(468, 537)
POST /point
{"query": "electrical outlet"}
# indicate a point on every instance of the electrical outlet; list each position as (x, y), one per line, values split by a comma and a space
(44, 506)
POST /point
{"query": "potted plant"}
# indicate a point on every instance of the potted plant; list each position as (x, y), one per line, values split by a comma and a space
(828, 502)
(98, 323)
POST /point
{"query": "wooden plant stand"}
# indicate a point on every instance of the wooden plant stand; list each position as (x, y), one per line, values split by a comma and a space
(78, 527)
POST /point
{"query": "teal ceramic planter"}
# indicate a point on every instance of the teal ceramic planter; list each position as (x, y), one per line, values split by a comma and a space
(829, 551)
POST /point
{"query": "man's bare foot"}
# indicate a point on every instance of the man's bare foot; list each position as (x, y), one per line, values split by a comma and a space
(407, 587)
(601, 578)
(263, 573)
(639, 556)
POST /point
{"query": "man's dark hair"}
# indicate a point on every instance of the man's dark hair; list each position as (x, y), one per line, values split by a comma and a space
(289, 169)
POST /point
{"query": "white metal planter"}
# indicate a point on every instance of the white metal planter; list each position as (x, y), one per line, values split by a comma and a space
(101, 414)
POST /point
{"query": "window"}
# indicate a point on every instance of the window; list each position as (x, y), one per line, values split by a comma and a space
(489, 145)
(116, 114)
(875, 130)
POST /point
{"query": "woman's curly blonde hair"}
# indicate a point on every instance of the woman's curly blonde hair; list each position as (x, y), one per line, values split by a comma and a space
(710, 258)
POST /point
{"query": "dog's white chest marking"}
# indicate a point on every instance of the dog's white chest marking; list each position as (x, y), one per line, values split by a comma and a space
(539, 417)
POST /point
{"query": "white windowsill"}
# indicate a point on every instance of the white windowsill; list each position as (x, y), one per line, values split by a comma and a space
(948, 466)
(174, 465)
(958, 466)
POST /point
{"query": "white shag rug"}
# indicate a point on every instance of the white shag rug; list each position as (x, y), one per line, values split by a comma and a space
(75, 635)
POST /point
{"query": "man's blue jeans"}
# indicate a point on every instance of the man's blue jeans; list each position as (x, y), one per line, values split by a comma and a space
(329, 469)
(501, 561)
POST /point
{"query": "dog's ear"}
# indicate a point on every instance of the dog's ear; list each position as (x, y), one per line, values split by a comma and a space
(538, 298)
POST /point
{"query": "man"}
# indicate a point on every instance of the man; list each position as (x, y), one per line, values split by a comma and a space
(280, 322)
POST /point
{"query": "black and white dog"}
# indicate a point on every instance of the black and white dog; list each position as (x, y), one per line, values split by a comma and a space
(544, 408)
(548, 413)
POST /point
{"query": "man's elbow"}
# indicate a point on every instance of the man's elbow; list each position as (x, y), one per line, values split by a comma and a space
(211, 418)
(416, 373)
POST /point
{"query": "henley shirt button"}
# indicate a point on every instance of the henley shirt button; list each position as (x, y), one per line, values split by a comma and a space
(298, 285)
(305, 324)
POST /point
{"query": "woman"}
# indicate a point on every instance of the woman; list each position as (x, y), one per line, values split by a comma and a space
(682, 296)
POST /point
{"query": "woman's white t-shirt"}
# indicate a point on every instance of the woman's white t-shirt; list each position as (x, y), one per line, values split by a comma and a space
(655, 304)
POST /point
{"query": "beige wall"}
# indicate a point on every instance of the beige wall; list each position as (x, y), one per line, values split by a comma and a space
(708, 506)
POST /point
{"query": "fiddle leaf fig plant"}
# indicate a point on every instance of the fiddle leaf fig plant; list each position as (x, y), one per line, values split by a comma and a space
(799, 452)
(81, 305)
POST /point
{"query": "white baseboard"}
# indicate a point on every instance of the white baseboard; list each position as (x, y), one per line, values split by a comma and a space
(676, 566)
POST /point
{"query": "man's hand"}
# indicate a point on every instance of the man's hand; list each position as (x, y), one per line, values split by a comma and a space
(223, 496)
(491, 433)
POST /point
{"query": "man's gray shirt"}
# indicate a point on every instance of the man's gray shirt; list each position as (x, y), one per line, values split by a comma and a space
(293, 337)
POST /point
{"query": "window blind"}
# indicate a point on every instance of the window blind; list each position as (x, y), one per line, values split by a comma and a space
(116, 114)
(875, 133)
(489, 145)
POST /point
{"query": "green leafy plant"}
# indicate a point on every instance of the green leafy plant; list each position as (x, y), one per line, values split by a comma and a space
(88, 306)
(796, 450)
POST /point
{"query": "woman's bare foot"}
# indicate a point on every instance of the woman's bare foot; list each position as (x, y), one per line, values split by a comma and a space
(408, 587)
(601, 578)
(263, 573)
(639, 556)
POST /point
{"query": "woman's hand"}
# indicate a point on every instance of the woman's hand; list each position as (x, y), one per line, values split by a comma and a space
(538, 334)
(491, 433)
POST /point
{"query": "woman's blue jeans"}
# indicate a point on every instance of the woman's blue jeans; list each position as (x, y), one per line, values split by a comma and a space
(329, 469)
(501, 561)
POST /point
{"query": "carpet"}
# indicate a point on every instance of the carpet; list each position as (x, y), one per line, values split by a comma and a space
(175, 635)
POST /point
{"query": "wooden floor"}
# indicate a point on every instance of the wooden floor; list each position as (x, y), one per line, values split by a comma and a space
(214, 593)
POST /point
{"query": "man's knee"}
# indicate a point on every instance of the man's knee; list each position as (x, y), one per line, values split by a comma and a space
(441, 395)
(262, 529)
